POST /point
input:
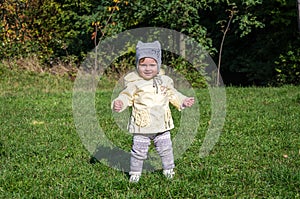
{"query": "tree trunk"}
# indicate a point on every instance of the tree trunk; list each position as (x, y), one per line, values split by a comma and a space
(182, 45)
(298, 6)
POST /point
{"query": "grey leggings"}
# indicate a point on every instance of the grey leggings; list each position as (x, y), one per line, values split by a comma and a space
(139, 151)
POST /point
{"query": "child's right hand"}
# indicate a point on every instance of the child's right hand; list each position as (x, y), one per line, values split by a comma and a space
(118, 105)
(188, 102)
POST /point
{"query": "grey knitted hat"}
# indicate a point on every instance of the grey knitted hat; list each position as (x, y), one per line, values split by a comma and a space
(152, 50)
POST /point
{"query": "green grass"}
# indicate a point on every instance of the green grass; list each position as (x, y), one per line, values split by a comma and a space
(42, 156)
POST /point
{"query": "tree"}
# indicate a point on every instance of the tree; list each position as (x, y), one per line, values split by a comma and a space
(252, 47)
(225, 29)
(58, 29)
(298, 6)
(15, 32)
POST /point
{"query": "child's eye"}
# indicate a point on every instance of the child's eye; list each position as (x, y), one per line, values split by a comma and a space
(150, 65)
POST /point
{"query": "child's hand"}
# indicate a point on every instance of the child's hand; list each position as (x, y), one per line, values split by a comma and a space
(118, 105)
(188, 102)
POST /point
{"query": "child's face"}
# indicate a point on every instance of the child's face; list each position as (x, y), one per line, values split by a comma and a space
(147, 68)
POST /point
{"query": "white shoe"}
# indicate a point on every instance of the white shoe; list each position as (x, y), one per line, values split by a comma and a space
(169, 173)
(134, 178)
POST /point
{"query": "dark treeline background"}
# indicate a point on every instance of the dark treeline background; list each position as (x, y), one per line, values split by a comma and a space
(261, 46)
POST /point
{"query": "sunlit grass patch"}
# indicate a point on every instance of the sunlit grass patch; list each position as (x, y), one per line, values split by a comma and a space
(42, 155)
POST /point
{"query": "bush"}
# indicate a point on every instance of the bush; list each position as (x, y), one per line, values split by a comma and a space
(288, 68)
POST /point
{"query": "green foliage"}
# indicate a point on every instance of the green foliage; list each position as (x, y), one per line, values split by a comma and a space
(246, 22)
(246, 18)
(253, 54)
(288, 68)
(195, 76)
(183, 16)
(56, 30)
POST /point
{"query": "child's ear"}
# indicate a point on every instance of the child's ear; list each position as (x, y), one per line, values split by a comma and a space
(157, 43)
(139, 43)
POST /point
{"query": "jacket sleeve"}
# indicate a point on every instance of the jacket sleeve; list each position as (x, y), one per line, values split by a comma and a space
(176, 98)
(126, 95)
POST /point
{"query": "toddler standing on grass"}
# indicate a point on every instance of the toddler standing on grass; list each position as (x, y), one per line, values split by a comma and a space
(149, 94)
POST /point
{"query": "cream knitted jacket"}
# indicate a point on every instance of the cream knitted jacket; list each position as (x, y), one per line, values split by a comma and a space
(150, 103)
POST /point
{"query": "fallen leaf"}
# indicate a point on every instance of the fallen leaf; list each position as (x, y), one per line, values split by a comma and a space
(34, 122)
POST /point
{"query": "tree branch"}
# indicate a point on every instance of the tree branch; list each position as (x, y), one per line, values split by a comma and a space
(232, 12)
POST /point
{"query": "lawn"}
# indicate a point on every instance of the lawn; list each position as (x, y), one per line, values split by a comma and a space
(42, 155)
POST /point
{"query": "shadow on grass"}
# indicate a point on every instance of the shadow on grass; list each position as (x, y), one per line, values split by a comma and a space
(116, 158)
(2, 150)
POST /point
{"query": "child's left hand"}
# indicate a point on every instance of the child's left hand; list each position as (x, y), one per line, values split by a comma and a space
(188, 102)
